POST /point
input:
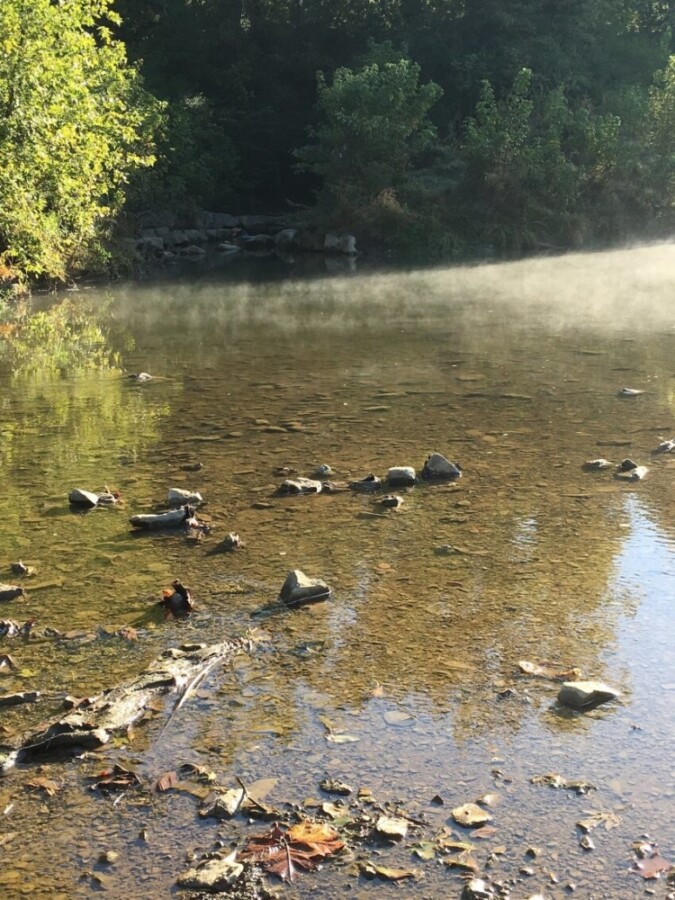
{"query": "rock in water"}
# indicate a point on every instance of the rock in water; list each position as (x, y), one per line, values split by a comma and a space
(174, 519)
(401, 476)
(179, 497)
(79, 497)
(636, 474)
(437, 466)
(298, 589)
(231, 541)
(213, 876)
(597, 464)
(369, 483)
(585, 695)
(300, 485)
(10, 591)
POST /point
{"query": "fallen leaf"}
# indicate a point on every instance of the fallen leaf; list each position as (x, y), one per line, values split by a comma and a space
(486, 831)
(425, 850)
(167, 781)
(118, 779)
(609, 820)
(284, 853)
(653, 867)
(389, 874)
(43, 784)
(333, 786)
(463, 861)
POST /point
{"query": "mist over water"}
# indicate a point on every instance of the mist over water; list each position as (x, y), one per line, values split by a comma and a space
(513, 370)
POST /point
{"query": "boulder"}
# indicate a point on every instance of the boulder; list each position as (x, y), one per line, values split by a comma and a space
(196, 235)
(224, 220)
(177, 238)
(585, 695)
(193, 251)
(286, 238)
(156, 219)
(258, 242)
(308, 239)
(298, 589)
(19, 697)
(340, 243)
(437, 466)
(401, 476)
(262, 224)
(150, 244)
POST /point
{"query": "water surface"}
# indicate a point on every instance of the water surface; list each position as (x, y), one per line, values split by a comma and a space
(510, 370)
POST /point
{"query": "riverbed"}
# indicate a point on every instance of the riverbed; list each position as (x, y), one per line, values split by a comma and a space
(512, 370)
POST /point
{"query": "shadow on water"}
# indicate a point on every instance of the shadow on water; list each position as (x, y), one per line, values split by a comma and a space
(512, 370)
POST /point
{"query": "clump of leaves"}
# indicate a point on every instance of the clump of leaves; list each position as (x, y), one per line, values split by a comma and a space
(285, 852)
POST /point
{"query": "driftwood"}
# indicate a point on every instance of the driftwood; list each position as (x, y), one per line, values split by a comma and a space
(96, 720)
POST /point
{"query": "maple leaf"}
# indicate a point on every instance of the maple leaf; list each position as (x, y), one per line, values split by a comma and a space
(284, 852)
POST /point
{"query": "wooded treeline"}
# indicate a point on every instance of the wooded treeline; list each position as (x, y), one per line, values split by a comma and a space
(421, 125)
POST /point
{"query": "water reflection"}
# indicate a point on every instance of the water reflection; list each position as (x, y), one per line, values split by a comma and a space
(511, 370)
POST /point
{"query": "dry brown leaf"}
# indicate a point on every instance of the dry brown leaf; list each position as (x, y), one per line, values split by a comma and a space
(43, 784)
(553, 671)
(165, 782)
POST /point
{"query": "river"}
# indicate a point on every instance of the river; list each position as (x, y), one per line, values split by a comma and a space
(512, 370)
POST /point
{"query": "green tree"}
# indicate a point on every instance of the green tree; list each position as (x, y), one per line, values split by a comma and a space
(373, 121)
(74, 124)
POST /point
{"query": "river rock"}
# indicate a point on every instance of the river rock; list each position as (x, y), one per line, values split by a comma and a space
(437, 466)
(179, 496)
(300, 485)
(228, 247)
(391, 501)
(477, 889)
(298, 589)
(214, 875)
(286, 238)
(369, 483)
(192, 251)
(585, 695)
(593, 465)
(665, 447)
(80, 497)
(340, 243)
(401, 476)
(636, 474)
(231, 541)
(10, 591)
(177, 238)
(173, 519)
(19, 697)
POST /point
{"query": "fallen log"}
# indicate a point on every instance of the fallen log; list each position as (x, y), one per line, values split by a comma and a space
(95, 721)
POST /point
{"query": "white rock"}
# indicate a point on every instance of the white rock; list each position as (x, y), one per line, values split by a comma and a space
(585, 694)
(300, 485)
(392, 827)
(179, 496)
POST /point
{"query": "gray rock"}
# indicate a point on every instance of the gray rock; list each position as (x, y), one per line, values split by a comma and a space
(258, 242)
(262, 224)
(340, 243)
(179, 497)
(192, 250)
(477, 889)
(150, 244)
(392, 501)
(630, 392)
(177, 238)
(300, 485)
(665, 447)
(176, 518)
(298, 589)
(437, 466)
(596, 464)
(401, 476)
(286, 238)
(213, 876)
(636, 474)
(308, 239)
(80, 497)
(323, 471)
(10, 591)
(196, 235)
(228, 247)
(585, 695)
(224, 220)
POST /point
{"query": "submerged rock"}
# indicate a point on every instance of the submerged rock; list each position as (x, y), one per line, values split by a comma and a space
(140, 377)
(391, 501)
(585, 695)
(437, 466)
(665, 447)
(298, 589)
(176, 518)
(594, 465)
(369, 483)
(214, 875)
(179, 496)
(230, 542)
(300, 485)
(635, 474)
(10, 591)
(401, 476)
(19, 697)
(177, 602)
(629, 392)
(323, 471)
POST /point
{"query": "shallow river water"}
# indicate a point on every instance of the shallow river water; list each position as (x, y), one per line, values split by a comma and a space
(512, 370)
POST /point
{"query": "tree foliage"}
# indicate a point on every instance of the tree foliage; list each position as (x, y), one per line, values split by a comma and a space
(372, 123)
(74, 123)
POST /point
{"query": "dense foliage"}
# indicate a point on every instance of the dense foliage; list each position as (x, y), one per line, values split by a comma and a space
(74, 123)
(434, 124)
